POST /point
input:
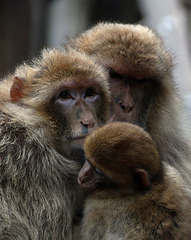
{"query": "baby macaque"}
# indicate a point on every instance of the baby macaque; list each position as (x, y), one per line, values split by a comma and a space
(132, 194)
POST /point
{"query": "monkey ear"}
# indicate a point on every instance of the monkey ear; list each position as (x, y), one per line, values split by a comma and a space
(142, 178)
(16, 91)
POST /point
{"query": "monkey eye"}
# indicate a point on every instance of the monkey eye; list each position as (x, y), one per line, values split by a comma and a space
(99, 172)
(65, 95)
(143, 80)
(114, 74)
(142, 83)
(89, 92)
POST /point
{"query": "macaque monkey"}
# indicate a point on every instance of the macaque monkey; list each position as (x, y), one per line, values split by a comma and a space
(132, 195)
(142, 86)
(47, 108)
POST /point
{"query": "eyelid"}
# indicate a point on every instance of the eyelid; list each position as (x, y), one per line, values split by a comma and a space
(114, 74)
(96, 169)
(143, 80)
(99, 171)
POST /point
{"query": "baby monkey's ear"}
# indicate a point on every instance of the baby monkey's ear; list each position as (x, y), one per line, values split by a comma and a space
(16, 91)
(141, 178)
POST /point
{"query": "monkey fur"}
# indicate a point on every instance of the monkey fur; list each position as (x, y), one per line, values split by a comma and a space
(39, 193)
(132, 195)
(138, 56)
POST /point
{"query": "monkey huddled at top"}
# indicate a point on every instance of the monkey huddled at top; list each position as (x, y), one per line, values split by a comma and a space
(142, 86)
(132, 195)
(46, 109)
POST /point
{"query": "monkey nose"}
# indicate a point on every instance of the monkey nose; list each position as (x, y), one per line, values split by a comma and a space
(81, 179)
(126, 107)
(87, 124)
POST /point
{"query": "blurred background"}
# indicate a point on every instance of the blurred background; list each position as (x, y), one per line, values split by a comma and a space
(26, 26)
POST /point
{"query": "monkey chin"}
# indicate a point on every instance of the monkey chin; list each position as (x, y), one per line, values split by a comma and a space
(89, 187)
(78, 141)
(73, 149)
(76, 149)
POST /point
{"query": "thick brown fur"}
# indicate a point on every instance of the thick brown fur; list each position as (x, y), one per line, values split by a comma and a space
(119, 140)
(138, 53)
(121, 210)
(39, 194)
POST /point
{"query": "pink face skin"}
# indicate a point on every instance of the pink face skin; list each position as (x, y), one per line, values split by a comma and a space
(79, 104)
(74, 109)
(90, 177)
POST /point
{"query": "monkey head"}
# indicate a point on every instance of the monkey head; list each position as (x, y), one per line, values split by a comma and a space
(120, 155)
(69, 91)
(139, 66)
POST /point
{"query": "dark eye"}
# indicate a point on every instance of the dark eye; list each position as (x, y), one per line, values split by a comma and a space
(99, 172)
(89, 92)
(65, 95)
(114, 74)
(143, 80)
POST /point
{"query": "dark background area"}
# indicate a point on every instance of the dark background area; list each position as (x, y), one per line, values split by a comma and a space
(27, 26)
(23, 25)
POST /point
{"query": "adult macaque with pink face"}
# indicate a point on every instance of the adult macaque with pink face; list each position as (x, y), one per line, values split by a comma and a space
(46, 111)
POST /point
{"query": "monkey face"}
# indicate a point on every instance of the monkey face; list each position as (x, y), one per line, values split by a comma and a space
(71, 95)
(119, 156)
(129, 97)
(79, 104)
(91, 178)
(77, 110)
(138, 63)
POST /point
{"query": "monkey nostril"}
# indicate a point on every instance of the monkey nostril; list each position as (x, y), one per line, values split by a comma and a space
(83, 179)
(130, 109)
(126, 108)
(84, 128)
(84, 124)
(123, 107)
(88, 125)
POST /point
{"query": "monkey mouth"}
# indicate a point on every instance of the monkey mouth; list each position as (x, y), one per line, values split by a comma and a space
(77, 141)
(89, 187)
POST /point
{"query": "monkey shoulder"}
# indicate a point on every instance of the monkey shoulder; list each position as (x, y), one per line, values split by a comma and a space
(96, 214)
(22, 133)
(36, 181)
(160, 212)
(16, 134)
